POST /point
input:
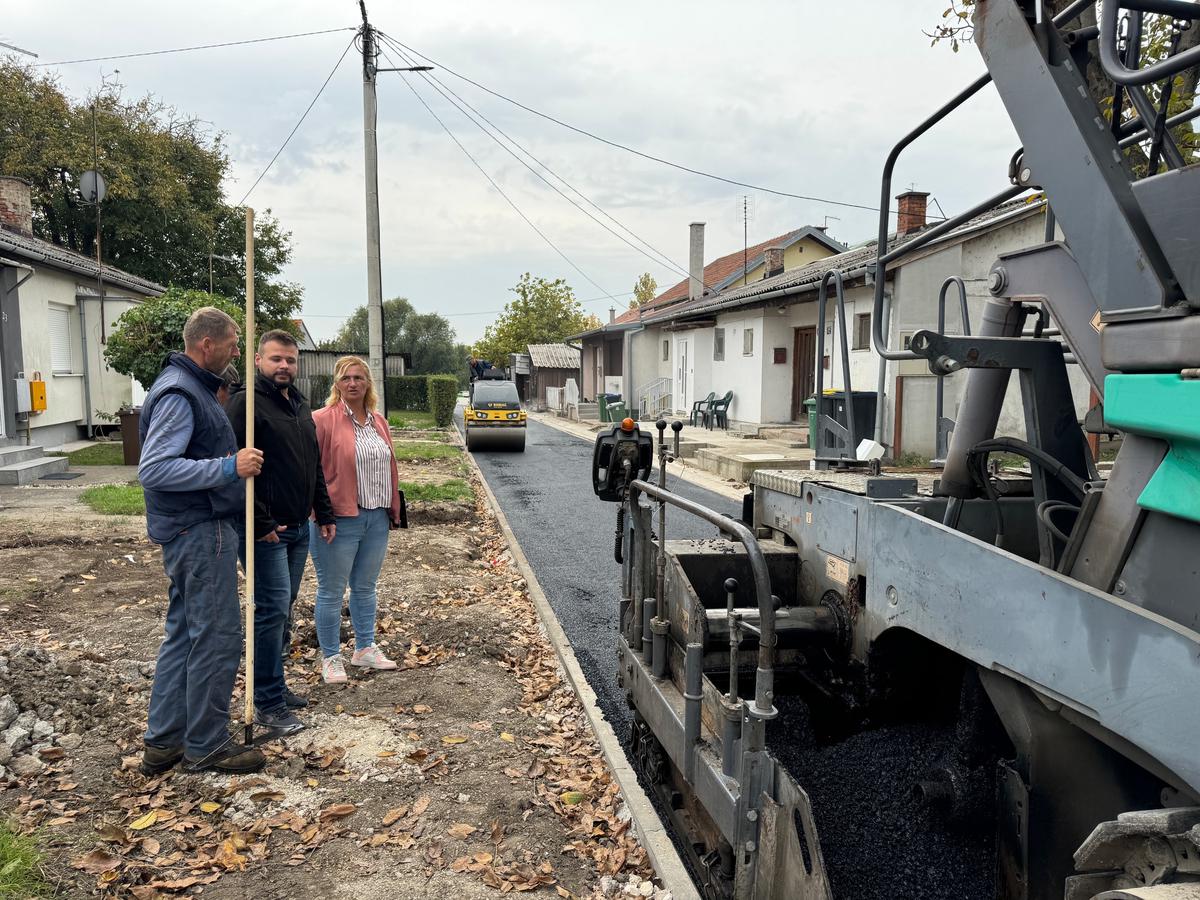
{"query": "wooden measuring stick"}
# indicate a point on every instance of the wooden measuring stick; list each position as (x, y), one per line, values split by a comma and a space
(249, 712)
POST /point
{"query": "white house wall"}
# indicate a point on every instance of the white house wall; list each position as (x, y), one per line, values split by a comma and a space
(738, 372)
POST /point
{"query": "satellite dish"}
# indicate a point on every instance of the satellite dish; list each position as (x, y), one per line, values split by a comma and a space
(92, 186)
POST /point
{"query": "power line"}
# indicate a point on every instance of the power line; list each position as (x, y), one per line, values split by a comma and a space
(281, 37)
(457, 101)
(628, 149)
(501, 192)
(296, 128)
(478, 312)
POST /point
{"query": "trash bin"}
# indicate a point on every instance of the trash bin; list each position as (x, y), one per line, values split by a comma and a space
(616, 411)
(810, 405)
(604, 400)
(834, 405)
(131, 440)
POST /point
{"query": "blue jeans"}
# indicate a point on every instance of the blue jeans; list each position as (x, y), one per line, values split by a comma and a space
(202, 646)
(278, 567)
(355, 558)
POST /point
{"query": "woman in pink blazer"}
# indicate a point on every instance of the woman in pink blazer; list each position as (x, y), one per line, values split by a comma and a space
(363, 483)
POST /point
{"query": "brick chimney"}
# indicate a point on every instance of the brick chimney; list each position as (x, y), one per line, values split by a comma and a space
(696, 261)
(16, 206)
(772, 261)
(910, 211)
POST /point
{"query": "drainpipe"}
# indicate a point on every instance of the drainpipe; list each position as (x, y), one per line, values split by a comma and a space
(881, 381)
(87, 381)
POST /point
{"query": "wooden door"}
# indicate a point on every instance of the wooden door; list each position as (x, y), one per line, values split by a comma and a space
(804, 371)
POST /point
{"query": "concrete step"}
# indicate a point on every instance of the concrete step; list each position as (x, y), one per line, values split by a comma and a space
(738, 464)
(30, 470)
(19, 453)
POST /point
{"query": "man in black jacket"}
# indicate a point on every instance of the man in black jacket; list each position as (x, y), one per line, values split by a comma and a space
(290, 487)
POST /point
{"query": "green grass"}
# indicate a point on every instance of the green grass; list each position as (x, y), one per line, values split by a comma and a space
(407, 451)
(116, 499)
(20, 867)
(910, 460)
(107, 453)
(447, 492)
(412, 419)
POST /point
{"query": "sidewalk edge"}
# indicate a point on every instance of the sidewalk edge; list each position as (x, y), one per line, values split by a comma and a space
(650, 831)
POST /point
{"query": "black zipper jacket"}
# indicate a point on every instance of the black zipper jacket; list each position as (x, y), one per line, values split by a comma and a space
(291, 484)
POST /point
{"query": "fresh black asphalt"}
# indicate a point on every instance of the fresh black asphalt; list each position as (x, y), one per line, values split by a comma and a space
(566, 534)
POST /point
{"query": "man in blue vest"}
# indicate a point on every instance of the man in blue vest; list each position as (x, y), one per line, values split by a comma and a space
(192, 473)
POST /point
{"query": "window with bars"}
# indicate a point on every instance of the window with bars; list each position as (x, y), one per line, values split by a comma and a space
(748, 342)
(666, 350)
(862, 332)
(718, 344)
(58, 320)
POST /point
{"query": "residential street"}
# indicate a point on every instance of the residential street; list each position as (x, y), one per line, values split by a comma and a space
(567, 535)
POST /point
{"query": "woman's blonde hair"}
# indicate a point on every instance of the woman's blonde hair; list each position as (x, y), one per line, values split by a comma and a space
(343, 365)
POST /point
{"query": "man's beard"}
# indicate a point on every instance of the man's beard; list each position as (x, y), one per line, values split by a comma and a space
(282, 379)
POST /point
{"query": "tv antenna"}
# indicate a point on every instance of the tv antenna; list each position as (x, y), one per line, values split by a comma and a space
(745, 212)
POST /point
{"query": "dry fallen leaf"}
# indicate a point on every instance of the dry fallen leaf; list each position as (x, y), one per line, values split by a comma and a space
(462, 831)
(337, 811)
(312, 782)
(505, 736)
(267, 796)
(386, 754)
(421, 709)
(454, 739)
(145, 821)
(420, 806)
(150, 846)
(97, 861)
(209, 806)
(394, 815)
(571, 798)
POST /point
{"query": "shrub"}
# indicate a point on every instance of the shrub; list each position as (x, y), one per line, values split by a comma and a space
(409, 392)
(443, 396)
(319, 387)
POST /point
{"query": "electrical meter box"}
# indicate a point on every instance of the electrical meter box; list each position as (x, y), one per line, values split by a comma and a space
(24, 398)
(37, 396)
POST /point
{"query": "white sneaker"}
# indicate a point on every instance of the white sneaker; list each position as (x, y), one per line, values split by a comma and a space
(372, 658)
(333, 669)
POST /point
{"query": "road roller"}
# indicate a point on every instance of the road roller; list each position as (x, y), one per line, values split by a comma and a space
(494, 418)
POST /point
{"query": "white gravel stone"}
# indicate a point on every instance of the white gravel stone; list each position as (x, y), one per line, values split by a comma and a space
(16, 738)
(27, 766)
(8, 711)
(40, 731)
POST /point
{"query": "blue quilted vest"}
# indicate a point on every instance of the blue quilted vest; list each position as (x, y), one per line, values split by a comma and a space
(170, 512)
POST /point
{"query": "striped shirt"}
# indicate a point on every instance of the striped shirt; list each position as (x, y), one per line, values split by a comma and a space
(372, 464)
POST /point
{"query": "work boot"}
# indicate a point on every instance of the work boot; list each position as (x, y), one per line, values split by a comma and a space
(231, 758)
(156, 760)
(294, 701)
(282, 721)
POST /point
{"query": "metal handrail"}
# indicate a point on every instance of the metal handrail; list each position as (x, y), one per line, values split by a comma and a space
(822, 299)
(1116, 69)
(878, 339)
(764, 683)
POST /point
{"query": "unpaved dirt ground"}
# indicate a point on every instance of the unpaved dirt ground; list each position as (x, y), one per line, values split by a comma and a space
(469, 772)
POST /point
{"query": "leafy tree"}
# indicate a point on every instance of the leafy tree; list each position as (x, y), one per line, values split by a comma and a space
(428, 338)
(146, 333)
(164, 213)
(544, 312)
(644, 291)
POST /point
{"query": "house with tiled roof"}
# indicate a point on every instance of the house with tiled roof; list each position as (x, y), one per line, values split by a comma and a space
(759, 339)
(57, 308)
(604, 348)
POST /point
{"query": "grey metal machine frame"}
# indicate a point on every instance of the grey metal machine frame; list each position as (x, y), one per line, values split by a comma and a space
(1085, 639)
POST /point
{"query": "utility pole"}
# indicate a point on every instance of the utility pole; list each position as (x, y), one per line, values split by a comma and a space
(371, 157)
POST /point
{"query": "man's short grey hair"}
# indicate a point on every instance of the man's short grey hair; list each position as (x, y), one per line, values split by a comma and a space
(231, 376)
(207, 322)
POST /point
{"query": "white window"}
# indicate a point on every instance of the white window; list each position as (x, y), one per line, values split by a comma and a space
(748, 342)
(59, 322)
(666, 350)
(862, 332)
(718, 344)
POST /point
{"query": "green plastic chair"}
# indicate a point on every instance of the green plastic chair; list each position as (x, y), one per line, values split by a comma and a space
(700, 407)
(718, 412)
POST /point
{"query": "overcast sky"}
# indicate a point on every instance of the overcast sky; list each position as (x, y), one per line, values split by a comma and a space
(805, 97)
